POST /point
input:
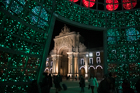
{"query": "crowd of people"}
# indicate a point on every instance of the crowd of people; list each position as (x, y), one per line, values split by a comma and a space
(107, 85)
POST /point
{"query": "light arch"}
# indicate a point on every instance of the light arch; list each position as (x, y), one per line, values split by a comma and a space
(99, 66)
(92, 67)
(82, 67)
(46, 69)
(63, 48)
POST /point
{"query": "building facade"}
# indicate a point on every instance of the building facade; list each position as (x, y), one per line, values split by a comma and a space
(71, 57)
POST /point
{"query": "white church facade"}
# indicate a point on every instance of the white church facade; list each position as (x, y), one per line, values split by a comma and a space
(71, 57)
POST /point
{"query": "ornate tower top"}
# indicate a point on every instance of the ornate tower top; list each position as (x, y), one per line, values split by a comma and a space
(65, 29)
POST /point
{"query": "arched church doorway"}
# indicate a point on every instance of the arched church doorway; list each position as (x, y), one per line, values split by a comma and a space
(91, 71)
(99, 73)
(83, 72)
(63, 62)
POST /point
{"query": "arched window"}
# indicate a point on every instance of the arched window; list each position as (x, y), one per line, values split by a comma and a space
(47, 59)
(82, 61)
(52, 63)
(91, 61)
(47, 64)
(98, 60)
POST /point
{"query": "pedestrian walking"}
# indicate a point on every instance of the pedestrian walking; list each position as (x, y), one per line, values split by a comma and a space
(93, 84)
(82, 83)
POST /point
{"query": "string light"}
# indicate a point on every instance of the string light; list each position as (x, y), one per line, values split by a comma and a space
(74, 0)
(25, 43)
(112, 5)
(88, 3)
(127, 4)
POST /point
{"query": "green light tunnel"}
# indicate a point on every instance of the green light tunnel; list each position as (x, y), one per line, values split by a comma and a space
(26, 27)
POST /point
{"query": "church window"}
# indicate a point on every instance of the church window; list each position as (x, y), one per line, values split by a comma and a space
(51, 63)
(47, 59)
(82, 61)
(90, 60)
(98, 60)
(97, 53)
(47, 64)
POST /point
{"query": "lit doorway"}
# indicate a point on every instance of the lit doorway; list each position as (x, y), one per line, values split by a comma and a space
(64, 63)
(91, 71)
(83, 72)
(99, 73)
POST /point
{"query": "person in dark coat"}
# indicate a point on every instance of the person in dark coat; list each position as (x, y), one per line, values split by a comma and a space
(57, 81)
(50, 81)
(138, 86)
(45, 84)
(82, 83)
(76, 77)
(33, 87)
(69, 76)
(104, 86)
(126, 87)
(112, 82)
(60, 77)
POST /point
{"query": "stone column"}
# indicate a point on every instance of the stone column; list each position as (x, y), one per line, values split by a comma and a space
(76, 65)
(70, 63)
(58, 62)
(86, 66)
(54, 67)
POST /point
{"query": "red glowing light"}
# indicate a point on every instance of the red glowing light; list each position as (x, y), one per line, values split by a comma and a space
(128, 5)
(74, 0)
(88, 3)
(112, 5)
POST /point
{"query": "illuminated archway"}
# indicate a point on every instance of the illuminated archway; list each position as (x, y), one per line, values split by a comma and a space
(83, 71)
(82, 67)
(99, 73)
(63, 63)
(92, 67)
(99, 66)
(91, 71)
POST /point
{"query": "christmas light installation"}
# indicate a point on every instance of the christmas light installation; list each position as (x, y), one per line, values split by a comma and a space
(34, 18)
(132, 34)
(127, 4)
(15, 7)
(74, 0)
(88, 3)
(111, 33)
(6, 2)
(112, 5)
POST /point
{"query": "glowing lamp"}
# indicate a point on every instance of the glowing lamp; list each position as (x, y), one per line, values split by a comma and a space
(128, 5)
(88, 3)
(90, 54)
(74, 0)
(111, 6)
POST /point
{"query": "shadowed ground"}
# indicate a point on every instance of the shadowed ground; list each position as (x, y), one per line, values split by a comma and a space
(73, 87)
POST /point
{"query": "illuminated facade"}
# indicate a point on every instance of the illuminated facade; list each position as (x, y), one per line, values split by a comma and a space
(70, 56)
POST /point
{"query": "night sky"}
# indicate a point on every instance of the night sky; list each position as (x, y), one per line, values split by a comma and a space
(92, 38)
